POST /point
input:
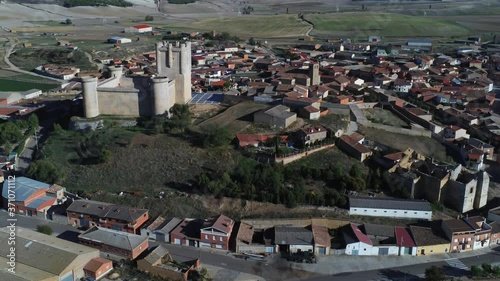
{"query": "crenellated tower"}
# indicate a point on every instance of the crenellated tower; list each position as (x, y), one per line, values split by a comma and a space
(174, 61)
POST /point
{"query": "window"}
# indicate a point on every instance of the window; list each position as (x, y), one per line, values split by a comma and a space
(468, 246)
(415, 213)
(213, 237)
(221, 239)
(385, 211)
(406, 212)
(468, 239)
(375, 211)
(471, 189)
(355, 209)
(395, 211)
(456, 240)
(206, 236)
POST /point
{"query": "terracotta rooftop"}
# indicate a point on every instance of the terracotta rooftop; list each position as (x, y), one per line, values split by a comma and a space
(321, 235)
(245, 233)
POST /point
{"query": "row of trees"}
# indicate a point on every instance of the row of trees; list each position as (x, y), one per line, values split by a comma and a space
(253, 180)
(14, 132)
(76, 3)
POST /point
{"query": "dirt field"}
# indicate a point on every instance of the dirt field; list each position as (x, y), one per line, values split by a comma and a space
(236, 118)
(381, 116)
(426, 146)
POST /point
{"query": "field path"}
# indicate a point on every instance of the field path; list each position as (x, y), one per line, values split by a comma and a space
(14, 68)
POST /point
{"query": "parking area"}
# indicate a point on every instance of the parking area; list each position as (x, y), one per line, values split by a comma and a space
(207, 98)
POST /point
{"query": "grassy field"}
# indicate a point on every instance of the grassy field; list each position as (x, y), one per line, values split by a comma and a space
(381, 116)
(235, 118)
(426, 146)
(139, 162)
(253, 25)
(362, 24)
(13, 84)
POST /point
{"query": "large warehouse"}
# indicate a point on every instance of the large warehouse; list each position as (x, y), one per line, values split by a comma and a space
(118, 40)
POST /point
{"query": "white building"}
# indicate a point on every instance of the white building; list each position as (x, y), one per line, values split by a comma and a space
(455, 132)
(390, 207)
(357, 243)
(31, 94)
(402, 86)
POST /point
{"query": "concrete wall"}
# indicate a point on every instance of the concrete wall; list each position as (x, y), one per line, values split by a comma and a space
(252, 249)
(392, 213)
(302, 248)
(413, 132)
(460, 196)
(287, 160)
(483, 184)
(268, 223)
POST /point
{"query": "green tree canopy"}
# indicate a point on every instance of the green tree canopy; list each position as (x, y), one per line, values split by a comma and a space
(45, 229)
(44, 171)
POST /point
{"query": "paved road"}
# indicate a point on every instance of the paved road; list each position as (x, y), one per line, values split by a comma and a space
(28, 153)
(454, 267)
(14, 68)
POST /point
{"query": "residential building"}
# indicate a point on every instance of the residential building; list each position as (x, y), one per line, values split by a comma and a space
(406, 244)
(32, 198)
(482, 236)
(454, 132)
(495, 234)
(159, 262)
(460, 233)
(216, 232)
(322, 240)
(97, 268)
(43, 257)
(255, 241)
(312, 134)
(87, 213)
(429, 240)
(187, 233)
(357, 242)
(293, 239)
(278, 116)
(353, 145)
(160, 229)
(390, 207)
(309, 112)
(114, 242)
(402, 86)
(383, 239)
(295, 102)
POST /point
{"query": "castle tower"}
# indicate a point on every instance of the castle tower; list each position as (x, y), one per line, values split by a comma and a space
(116, 71)
(314, 74)
(174, 62)
(90, 99)
(163, 100)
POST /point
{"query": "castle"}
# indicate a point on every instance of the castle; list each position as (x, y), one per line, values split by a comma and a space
(142, 95)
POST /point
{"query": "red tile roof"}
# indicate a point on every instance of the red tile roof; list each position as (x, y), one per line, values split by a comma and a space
(403, 237)
(321, 235)
(360, 235)
(8, 111)
(394, 156)
(95, 264)
(220, 222)
(141, 26)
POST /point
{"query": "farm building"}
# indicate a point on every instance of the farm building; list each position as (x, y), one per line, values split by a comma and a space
(279, 116)
(390, 207)
(118, 40)
(141, 28)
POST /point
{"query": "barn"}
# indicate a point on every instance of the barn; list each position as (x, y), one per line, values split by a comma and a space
(118, 40)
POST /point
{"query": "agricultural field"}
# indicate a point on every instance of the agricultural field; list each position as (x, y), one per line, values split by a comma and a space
(15, 85)
(364, 24)
(385, 117)
(427, 146)
(254, 25)
(30, 58)
(235, 118)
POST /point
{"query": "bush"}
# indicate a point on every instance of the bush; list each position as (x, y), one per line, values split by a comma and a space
(44, 171)
(149, 18)
(216, 136)
(45, 229)
(476, 271)
(434, 273)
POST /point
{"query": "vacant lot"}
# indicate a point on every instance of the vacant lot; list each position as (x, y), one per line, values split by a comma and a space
(381, 116)
(235, 118)
(363, 24)
(426, 146)
(139, 162)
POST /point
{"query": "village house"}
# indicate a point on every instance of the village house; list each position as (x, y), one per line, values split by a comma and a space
(482, 236)
(97, 268)
(353, 145)
(216, 232)
(460, 233)
(159, 262)
(114, 242)
(312, 133)
(159, 229)
(454, 132)
(87, 213)
(357, 243)
(278, 116)
(405, 242)
(429, 240)
(187, 233)
(293, 239)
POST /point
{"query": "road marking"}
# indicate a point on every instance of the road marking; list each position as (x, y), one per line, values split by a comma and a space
(456, 263)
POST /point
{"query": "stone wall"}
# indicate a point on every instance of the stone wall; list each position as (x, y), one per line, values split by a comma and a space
(290, 159)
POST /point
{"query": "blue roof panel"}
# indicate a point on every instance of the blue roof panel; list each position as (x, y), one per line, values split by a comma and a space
(23, 187)
(37, 202)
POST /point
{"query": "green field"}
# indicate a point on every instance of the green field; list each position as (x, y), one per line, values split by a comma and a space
(383, 24)
(254, 25)
(15, 85)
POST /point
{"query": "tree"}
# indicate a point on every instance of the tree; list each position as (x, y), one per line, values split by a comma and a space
(476, 271)
(355, 171)
(45, 229)
(33, 121)
(227, 84)
(10, 132)
(216, 136)
(180, 118)
(251, 41)
(434, 273)
(44, 171)
(69, 22)
(149, 18)
(105, 155)
(7, 148)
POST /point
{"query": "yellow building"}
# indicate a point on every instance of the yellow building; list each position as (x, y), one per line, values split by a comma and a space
(429, 241)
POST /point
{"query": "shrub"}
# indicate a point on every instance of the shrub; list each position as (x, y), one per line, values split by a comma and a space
(45, 229)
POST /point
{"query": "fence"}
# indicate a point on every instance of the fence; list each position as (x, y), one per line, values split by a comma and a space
(288, 159)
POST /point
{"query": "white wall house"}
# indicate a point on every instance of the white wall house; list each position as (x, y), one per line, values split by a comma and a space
(358, 243)
(390, 207)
